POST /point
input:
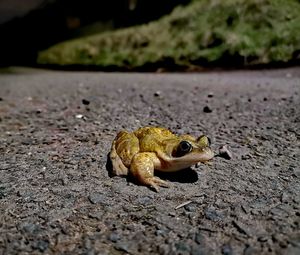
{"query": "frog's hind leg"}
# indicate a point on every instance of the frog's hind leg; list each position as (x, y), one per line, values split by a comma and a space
(118, 168)
(142, 168)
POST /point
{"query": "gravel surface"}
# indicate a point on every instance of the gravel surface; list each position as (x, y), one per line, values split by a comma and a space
(56, 194)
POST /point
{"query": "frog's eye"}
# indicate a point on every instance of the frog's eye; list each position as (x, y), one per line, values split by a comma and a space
(204, 140)
(184, 147)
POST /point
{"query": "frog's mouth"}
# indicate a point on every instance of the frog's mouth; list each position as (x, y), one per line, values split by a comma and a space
(195, 157)
(192, 158)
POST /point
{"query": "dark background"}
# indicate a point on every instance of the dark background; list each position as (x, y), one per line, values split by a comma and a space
(27, 27)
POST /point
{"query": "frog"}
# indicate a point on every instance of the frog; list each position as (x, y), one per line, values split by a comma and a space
(148, 149)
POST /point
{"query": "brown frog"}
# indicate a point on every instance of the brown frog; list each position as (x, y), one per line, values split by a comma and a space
(149, 148)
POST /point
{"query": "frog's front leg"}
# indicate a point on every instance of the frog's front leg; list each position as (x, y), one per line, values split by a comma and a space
(142, 168)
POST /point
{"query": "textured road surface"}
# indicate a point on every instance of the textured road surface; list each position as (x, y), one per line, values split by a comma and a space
(56, 195)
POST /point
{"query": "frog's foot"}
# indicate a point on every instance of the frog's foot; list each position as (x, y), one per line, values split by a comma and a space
(118, 168)
(142, 168)
(155, 182)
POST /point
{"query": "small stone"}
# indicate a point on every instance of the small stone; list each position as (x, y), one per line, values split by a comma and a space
(96, 215)
(87, 243)
(114, 237)
(160, 232)
(226, 249)
(164, 249)
(246, 156)
(210, 95)
(157, 94)
(249, 250)
(224, 152)
(85, 102)
(289, 75)
(31, 228)
(1, 99)
(190, 207)
(199, 238)
(96, 198)
(241, 227)
(213, 215)
(145, 200)
(173, 214)
(296, 172)
(207, 109)
(262, 239)
(265, 99)
(91, 252)
(2, 192)
(182, 248)
(79, 116)
(284, 197)
(41, 245)
(122, 246)
(280, 239)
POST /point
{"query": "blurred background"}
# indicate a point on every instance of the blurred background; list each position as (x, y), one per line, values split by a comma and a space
(170, 34)
(29, 26)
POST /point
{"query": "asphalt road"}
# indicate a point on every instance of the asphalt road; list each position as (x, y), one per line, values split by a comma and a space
(56, 195)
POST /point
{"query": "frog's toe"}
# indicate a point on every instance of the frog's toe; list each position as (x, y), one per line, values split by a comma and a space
(156, 182)
(161, 182)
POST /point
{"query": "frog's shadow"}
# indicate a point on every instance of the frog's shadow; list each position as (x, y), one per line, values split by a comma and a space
(187, 175)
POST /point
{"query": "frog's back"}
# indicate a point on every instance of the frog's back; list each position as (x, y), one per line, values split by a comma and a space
(155, 132)
(146, 139)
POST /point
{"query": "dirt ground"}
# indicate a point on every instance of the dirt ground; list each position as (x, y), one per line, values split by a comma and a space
(56, 195)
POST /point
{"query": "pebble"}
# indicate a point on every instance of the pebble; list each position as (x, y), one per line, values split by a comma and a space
(262, 238)
(284, 197)
(190, 207)
(31, 228)
(41, 245)
(114, 237)
(122, 246)
(224, 152)
(79, 116)
(160, 232)
(96, 215)
(249, 250)
(296, 172)
(213, 215)
(288, 75)
(145, 200)
(164, 249)
(182, 247)
(241, 227)
(97, 198)
(246, 156)
(157, 94)
(199, 238)
(207, 109)
(85, 102)
(226, 249)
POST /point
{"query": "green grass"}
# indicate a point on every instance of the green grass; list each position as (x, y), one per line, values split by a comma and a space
(204, 33)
